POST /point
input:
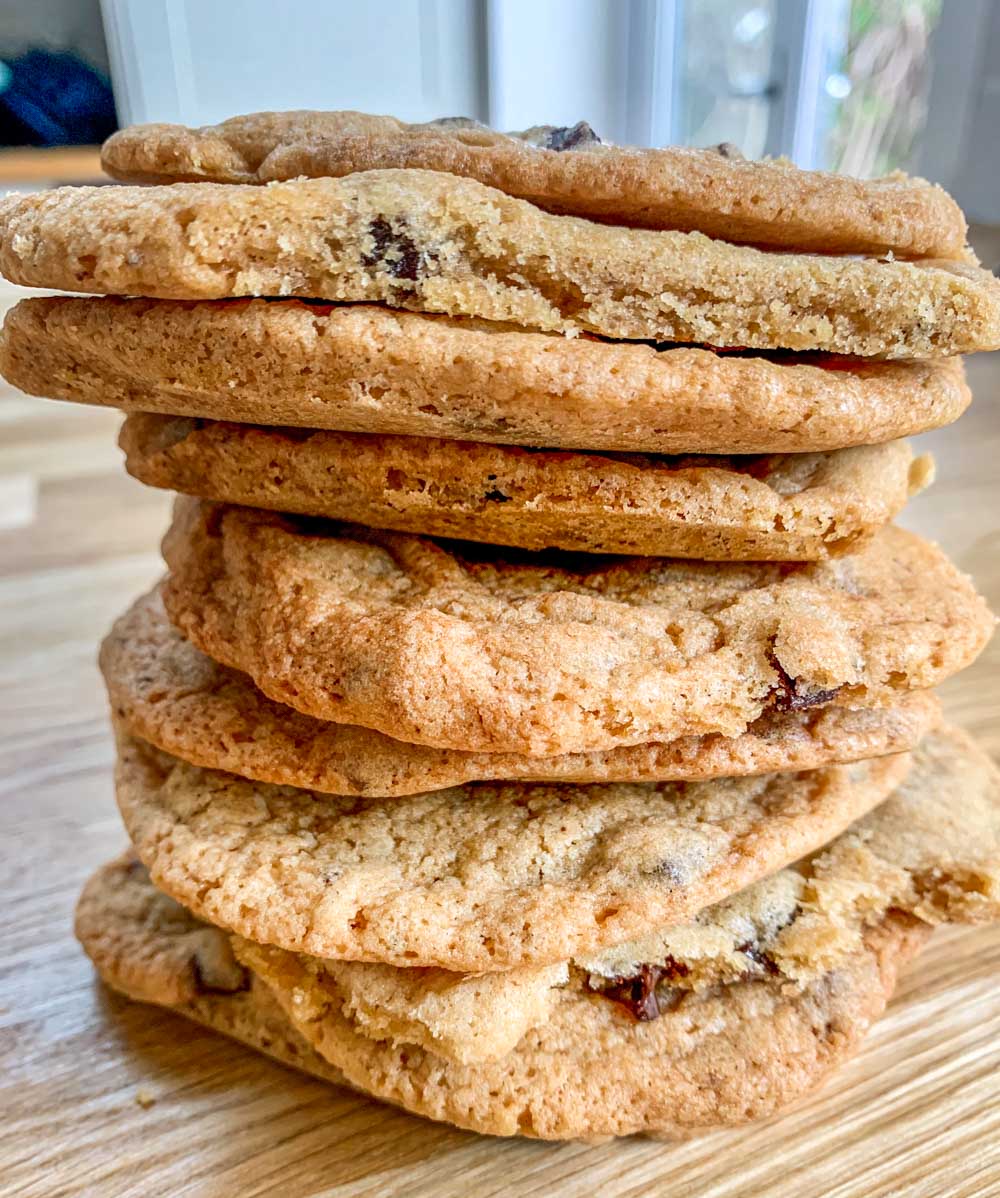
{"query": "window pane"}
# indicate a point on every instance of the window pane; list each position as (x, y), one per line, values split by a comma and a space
(881, 87)
(725, 92)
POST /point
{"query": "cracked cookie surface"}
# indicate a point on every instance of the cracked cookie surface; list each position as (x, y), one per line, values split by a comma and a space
(432, 242)
(567, 170)
(481, 877)
(365, 368)
(164, 690)
(469, 647)
(786, 507)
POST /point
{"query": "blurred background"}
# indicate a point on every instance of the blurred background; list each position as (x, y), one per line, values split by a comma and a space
(863, 86)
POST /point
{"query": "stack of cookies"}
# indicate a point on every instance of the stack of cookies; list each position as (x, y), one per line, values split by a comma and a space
(534, 727)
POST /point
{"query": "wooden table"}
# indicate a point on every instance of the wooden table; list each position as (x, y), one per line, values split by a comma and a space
(36, 166)
(100, 1096)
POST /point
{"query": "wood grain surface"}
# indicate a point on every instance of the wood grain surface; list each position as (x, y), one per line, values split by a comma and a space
(100, 1096)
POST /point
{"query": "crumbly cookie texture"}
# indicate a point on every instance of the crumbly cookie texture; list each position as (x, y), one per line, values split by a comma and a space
(480, 877)
(564, 169)
(910, 855)
(475, 648)
(721, 1058)
(365, 368)
(780, 507)
(151, 949)
(164, 690)
(436, 243)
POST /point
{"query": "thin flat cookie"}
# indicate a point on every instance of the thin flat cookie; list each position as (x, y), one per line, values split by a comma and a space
(565, 169)
(433, 242)
(474, 878)
(364, 368)
(785, 507)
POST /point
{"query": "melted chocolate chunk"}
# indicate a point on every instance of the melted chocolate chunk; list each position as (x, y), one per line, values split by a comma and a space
(789, 694)
(496, 496)
(753, 953)
(394, 249)
(640, 994)
(568, 138)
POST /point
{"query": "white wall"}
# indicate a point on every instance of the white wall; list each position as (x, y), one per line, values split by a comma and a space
(199, 61)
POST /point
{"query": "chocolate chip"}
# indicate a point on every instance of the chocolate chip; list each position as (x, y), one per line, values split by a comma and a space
(673, 970)
(791, 694)
(669, 870)
(496, 496)
(565, 137)
(392, 248)
(726, 149)
(761, 959)
(639, 993)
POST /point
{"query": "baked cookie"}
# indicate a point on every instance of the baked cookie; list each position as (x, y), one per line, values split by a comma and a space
(783, 507)
(565, 169)
(151, 949)
(364, 368)
(481, 877)
(431, 1041)
(164, 690)
(433, 242)
(592, 1069)
(591, 1072)
(467, 647)
(910, 855)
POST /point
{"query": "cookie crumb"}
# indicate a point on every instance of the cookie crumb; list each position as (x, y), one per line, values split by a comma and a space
(145, 1099)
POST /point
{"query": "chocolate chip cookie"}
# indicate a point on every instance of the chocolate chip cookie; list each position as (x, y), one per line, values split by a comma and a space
(365, 368)
(568, 169)
(780, 507)
(164, 690)
(430, 241)
(475, 878)
(475, 648)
